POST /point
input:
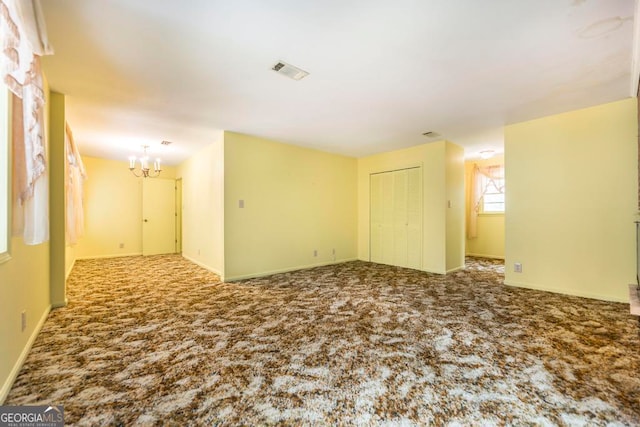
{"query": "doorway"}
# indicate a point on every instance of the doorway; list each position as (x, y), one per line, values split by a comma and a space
(158, 216)
(179, 215)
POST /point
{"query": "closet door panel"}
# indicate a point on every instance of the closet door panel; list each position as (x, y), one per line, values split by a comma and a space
(400, 218)
(386, 240)
(414, 218)
(375, 218)
(396, 218)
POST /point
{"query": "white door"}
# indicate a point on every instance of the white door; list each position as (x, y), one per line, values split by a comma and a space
(414, 218)
(381, 218)
(375, 215)
(396, 218)
(399, 218)
(179, 216)
(158, 216)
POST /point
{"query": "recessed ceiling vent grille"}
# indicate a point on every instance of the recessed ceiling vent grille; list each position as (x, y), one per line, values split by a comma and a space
(431, 134)
(289, 70)
(166, 142)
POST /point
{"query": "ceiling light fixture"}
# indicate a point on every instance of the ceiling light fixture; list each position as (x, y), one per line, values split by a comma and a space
(144, 170)
(487, 154)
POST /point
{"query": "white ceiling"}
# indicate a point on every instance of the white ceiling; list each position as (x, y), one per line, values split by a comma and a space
(381, 72)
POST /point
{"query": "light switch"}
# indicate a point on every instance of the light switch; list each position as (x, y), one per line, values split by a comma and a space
(241, 204)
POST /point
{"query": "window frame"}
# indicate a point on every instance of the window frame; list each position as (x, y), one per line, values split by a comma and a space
(5, 180)
(486, 186)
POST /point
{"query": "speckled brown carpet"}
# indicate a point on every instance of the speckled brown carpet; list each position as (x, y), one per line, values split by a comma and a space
(159, 341)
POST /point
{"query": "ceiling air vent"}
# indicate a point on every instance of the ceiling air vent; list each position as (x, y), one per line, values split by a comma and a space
(431, 134)
(289, 70)
(165, 142)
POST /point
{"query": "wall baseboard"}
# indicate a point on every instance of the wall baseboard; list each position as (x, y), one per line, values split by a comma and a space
(286, 270)
(486, 256)
(455, 269)
(565, 292)
(68, 273)
(8, 383)
(441, 272)
(64, 303)
(109, 256)
(205, 266)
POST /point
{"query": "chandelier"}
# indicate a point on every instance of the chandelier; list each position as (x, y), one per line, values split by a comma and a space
(144, 170)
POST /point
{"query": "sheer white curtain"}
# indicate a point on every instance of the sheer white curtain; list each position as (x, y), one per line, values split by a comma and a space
(24, 40)
(481, 179)
(74, 178)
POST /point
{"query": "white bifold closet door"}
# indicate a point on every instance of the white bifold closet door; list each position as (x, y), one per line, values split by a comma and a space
(396, 218)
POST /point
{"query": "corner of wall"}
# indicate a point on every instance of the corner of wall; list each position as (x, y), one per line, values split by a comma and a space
(203, 206)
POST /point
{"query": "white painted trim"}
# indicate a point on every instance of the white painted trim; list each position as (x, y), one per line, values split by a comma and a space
(8, 383)
(205, 266)
(486, 256)
(109, 256)
(564, 291)
(635, 52)
(286, 270)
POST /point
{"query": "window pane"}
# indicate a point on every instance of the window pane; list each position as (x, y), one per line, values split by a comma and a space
(493, 207)
(493, 203)
(494, 198)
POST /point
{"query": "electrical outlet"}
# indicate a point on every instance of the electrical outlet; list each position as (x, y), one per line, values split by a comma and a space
(517, 267)
(333, 251)
(315, 252)
(121, 245)
(23, 320)
(198, 251)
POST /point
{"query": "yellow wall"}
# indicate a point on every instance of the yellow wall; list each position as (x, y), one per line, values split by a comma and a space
(203, 206)
(490, 240)
(112, 209)
(24, 286)
(297, 200)
(57, 200)
(441, 163)
(454, 175)
(571, 194)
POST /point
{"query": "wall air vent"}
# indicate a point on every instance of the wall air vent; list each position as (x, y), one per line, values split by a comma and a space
(166, 142)
(289, 70)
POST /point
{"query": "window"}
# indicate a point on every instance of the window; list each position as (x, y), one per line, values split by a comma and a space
(5, 190)
(493, 190)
